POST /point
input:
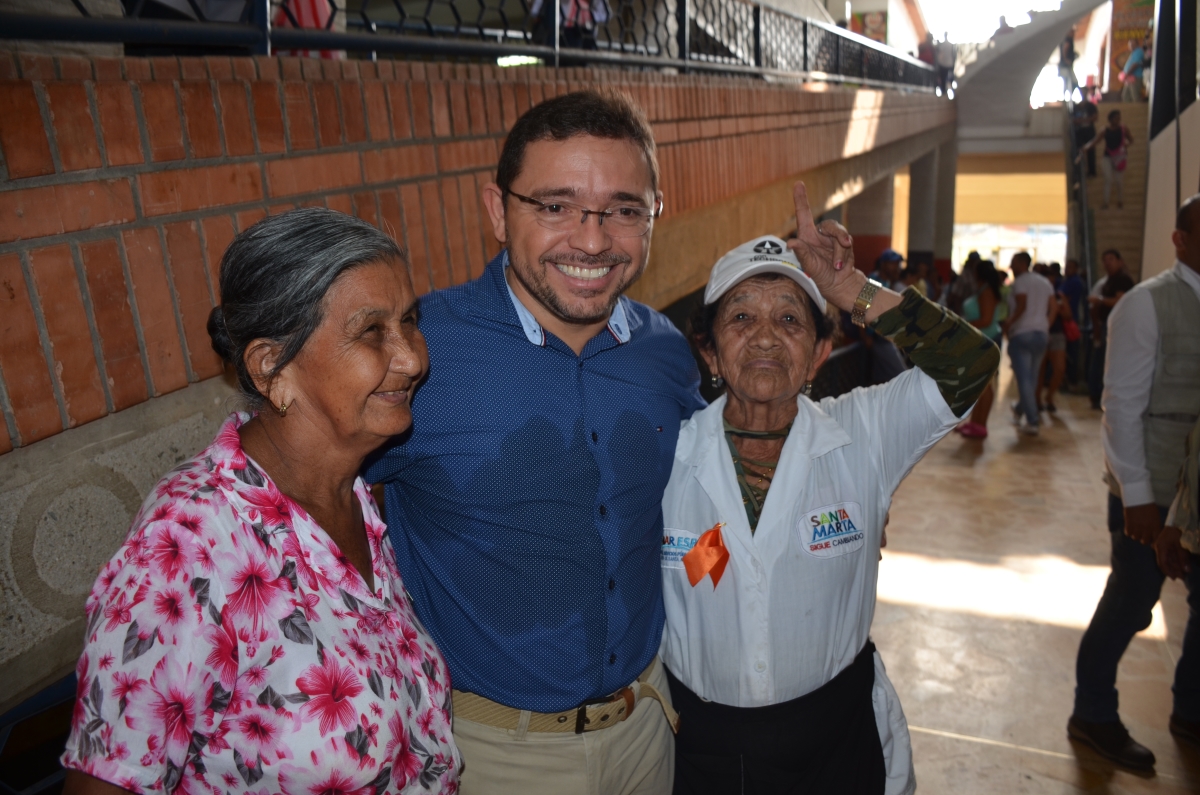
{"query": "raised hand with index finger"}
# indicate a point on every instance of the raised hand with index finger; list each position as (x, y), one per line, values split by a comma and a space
(826, 252)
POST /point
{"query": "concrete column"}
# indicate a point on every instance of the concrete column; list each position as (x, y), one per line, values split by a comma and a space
(943, 234)
(922, 207)
(869, 219)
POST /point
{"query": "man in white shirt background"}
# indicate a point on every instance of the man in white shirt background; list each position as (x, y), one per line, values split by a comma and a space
(1151, 401)
(1028, 331)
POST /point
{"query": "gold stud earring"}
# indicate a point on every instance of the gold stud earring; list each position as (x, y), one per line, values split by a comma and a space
(283, 407)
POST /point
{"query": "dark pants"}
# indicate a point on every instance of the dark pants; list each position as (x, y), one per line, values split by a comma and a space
(1082, 136)
(823, 743)
(1095, 372)
(1132, 591)
(1073, 362)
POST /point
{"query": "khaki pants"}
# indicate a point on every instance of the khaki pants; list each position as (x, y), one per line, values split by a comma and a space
(635, 757)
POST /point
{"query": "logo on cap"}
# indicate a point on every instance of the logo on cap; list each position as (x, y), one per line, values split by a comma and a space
(769, 247)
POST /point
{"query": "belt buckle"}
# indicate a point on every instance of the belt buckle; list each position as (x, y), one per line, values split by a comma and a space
(581, 719)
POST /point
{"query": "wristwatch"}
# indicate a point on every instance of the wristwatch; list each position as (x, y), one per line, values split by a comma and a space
(858, 315)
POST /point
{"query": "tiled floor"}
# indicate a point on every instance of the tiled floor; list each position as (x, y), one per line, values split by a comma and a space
(997, 554)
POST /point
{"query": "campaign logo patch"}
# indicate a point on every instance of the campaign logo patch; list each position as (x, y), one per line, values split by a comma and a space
(833, 530)
(676, 544)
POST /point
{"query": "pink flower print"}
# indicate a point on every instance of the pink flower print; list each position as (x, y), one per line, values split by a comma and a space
(320, 779)
(255, 676)
(229, 443)
(120, 752)
(270, 504)
(258, 733)
(170, 551)
(257, 591)
(124, 684)
(168, 708)
(308, 573)
(406, 765)
(118, 611)
(224, 655)
(163, 512)
(330, 688)
(169, 604)
(354, 645)
(79, 715)
(193, 524)
(408, 644)
(172, 487)
(204, 557)
(106, 662)
(425, 723)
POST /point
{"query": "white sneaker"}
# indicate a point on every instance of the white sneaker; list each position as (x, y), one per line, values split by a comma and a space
(1029, 430)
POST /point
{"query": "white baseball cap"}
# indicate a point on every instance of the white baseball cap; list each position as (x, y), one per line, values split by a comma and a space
(766, 254)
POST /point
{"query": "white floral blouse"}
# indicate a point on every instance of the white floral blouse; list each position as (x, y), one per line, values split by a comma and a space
(231, 647)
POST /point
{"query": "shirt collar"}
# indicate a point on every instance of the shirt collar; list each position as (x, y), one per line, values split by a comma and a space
(814, 432)
(618, 322)
(1188, 275)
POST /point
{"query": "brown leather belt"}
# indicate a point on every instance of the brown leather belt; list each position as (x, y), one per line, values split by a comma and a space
(591, 715)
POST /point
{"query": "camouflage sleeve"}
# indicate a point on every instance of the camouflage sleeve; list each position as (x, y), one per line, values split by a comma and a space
(944, 346)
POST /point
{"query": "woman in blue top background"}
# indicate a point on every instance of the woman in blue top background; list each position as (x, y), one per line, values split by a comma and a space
(982, 311)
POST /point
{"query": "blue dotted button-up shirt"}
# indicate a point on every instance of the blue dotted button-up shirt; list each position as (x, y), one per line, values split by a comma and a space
(525, 504)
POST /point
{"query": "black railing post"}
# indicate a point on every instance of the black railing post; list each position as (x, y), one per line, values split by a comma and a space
(262, 21)
(682, 17)
(804, 64)
(758, 36)
(837, 54)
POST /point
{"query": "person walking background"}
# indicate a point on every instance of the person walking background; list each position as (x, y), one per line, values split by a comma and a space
(1117, 138)
(982, 311)
(1027, 329)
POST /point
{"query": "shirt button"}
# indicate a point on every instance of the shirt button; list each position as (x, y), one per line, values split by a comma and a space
(612, 584)
(595, 437)
(760, 666)
(612, 658)
(603, 511)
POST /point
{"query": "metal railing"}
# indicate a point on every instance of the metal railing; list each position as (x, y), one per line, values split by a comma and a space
(730, 36)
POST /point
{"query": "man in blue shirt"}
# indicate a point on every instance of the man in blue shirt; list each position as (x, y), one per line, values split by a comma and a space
(525, 505)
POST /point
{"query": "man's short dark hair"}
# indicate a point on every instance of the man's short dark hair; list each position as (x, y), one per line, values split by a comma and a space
(1112, 251)
(601, 114)
(1188, 217)
(1023, 256)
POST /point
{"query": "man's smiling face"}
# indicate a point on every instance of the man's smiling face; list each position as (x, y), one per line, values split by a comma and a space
(578, 273)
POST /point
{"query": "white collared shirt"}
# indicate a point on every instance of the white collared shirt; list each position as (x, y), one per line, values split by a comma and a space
(795, 604)
(1128, 378)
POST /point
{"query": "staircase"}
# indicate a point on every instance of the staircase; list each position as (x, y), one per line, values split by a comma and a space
(1122, 229)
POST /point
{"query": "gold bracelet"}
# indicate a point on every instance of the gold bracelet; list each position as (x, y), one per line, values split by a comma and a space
(858, 315)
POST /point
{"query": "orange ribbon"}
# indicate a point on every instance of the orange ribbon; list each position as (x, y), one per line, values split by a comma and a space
(709, 556)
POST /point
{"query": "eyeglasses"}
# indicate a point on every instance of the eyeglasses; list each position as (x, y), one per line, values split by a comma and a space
(619, 221)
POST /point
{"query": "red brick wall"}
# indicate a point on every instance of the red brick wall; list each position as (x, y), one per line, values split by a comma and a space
(124, 180)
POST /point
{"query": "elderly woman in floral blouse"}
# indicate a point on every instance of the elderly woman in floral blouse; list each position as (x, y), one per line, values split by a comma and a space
(253, 633)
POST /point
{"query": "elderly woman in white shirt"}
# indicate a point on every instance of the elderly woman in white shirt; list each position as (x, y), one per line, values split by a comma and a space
(770, 589)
